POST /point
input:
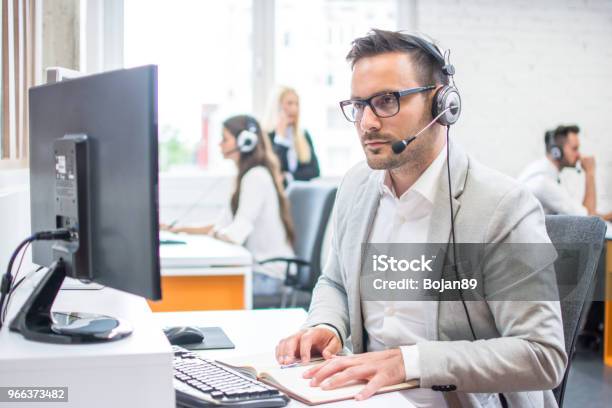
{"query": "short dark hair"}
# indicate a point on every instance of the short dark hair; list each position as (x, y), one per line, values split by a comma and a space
(559, 135)
(376, 42)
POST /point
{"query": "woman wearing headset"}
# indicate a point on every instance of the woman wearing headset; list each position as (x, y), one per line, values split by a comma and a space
(292, 144)
(258, 215)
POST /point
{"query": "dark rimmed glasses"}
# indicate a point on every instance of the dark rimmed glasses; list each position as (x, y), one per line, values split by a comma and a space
(384, 104)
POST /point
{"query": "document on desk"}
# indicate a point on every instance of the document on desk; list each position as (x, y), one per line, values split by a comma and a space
(291, 382)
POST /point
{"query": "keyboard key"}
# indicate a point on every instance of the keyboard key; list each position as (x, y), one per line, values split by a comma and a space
(216, 394)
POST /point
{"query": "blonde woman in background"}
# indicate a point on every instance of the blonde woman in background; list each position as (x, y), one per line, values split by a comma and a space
(291, 143)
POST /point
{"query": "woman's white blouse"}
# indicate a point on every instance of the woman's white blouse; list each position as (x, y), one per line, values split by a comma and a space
(257, 224)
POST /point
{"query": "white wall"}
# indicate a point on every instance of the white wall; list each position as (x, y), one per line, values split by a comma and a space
(198, 199)
(193, 200)
(14, 215)
(526, 66)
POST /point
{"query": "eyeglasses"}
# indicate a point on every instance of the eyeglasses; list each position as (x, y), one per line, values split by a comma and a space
(384, 104)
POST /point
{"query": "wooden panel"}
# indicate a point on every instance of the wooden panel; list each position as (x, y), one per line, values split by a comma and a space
(5, 135)
(608, 309)
(188, 293)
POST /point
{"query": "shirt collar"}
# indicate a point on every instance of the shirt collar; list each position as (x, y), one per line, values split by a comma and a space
(550, 167)
(425, 185)
(550, 170)
(286, 139)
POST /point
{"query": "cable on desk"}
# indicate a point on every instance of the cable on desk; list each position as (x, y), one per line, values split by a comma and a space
(6, 286)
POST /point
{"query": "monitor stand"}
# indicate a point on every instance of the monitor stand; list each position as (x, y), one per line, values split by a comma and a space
(35, 321)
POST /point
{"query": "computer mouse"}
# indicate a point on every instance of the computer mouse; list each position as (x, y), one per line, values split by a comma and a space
(184, 335)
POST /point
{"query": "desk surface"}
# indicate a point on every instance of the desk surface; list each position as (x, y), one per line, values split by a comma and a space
(202, 251)
(89, 371)
(252, 331)
(258, 331)
(146, 340)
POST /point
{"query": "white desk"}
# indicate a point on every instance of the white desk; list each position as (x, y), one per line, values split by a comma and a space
(200, 251)
(131, 372)
(258, 331)
(204, 273)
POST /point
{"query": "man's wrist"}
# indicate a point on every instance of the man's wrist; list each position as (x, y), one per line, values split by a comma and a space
(331, 328)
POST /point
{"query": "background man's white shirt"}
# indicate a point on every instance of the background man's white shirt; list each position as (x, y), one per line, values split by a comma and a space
(542, 179)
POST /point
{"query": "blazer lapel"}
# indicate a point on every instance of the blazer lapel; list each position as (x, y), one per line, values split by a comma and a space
(358, 229)
(440, 224)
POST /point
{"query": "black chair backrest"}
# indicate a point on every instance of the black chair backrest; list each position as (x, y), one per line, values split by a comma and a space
(311, 207)
(579, 243)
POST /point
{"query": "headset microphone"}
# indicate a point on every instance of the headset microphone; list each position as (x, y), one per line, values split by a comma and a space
(400, 146)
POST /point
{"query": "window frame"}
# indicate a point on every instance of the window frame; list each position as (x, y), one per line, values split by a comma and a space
(103, 40)
(19, 67)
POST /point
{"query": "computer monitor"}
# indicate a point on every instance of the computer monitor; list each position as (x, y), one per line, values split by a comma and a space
(94, 170)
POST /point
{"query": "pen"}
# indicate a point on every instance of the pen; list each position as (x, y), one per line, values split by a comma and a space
(291, 365)
(299, 363)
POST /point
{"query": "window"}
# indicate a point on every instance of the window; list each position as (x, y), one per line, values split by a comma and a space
(311, 58)
(204, 54)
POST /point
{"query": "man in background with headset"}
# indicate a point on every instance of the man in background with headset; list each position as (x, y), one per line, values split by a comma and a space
(402, 105)
(542, 176)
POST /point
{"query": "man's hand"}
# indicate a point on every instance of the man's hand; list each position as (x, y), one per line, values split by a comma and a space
(379, 369)
(588, 164)
(301, 345)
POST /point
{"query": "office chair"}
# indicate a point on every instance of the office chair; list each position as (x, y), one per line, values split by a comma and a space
(311, 207)
(579, 242)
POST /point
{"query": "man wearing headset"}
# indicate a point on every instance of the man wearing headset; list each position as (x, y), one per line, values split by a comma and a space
(542, 176)
(501, 353)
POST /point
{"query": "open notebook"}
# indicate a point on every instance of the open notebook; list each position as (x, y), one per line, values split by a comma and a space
(290, 381)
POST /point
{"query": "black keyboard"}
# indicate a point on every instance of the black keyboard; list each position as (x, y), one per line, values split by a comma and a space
(200, 382)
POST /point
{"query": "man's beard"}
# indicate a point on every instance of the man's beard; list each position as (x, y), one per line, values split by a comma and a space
(565, 163)
(384, 158)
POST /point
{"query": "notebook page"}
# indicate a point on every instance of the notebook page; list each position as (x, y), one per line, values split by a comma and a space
(260, 362)
(291, 380)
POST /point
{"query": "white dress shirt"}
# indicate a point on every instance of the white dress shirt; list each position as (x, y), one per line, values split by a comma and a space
(392, 324)
(542, 179)
(257, 223)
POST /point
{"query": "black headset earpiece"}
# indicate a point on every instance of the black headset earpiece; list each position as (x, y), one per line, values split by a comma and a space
(247, 139)
(446, 99)
(555, 151)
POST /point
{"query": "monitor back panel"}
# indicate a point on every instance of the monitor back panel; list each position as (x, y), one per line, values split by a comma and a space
(118, 112)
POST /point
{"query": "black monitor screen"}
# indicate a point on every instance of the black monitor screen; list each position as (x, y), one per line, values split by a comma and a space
(117, 111)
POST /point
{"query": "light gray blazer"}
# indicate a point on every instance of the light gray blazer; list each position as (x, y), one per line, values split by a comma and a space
(520, 347)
